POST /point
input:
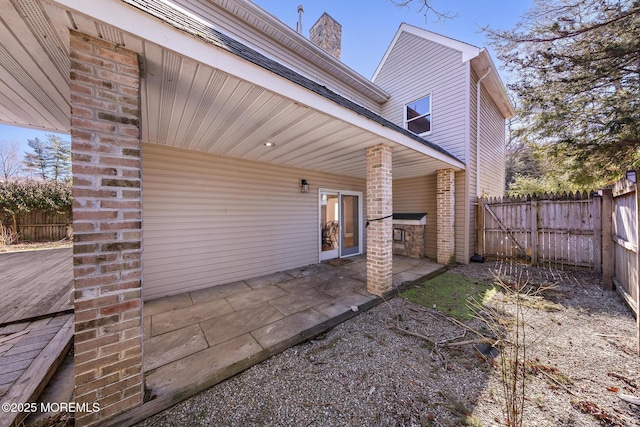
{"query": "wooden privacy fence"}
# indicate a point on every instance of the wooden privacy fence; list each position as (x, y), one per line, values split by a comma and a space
(598, 231)
(41, 226)
(549, 229)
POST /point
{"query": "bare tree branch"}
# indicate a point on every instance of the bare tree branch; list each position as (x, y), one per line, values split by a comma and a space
(10, 161)
(427, 7)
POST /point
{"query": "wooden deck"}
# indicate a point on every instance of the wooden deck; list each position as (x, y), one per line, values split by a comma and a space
(35, 283)
(30, 352)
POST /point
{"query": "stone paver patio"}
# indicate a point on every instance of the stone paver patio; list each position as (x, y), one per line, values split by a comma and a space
(197, 339)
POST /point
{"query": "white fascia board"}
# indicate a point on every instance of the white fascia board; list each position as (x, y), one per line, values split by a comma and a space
(122, 16)
(493, 83)
(468, 51)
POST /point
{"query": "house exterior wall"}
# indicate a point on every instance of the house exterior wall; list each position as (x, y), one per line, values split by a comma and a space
(492, 154)
(492, 149)
(417, 67)
(277, 49)
(211, 220)
(413, 195)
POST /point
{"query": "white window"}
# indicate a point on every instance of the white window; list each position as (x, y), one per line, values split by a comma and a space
(417, 116)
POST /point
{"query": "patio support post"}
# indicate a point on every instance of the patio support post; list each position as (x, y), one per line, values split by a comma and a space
(379, 211)
(445, 215)
(107, 222)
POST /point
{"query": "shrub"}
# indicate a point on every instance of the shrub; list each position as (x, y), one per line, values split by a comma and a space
(18, 197)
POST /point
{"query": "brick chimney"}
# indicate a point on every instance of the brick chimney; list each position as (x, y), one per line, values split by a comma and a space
(326, 33)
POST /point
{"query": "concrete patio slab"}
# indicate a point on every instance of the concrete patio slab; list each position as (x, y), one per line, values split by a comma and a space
(181, 317)
(420, 269)
(238, 323)
(342, 286)
(166, 348)
(299, 301)
(170, 303)
(308, 281)
(217, 292)
(188, 373)
(271, 279)
(405, 276)
(344, 304)
(287, 328)
(256, 296)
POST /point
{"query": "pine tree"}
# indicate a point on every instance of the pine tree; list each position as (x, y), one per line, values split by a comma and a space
(39, 160)
(576, 65)
(51, 159)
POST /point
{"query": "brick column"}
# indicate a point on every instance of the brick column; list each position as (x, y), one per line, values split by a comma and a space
(445, 215)
(379, 233)
(107, 221)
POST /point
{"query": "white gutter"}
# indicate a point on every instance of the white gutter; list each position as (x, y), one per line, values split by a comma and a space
(478, 131)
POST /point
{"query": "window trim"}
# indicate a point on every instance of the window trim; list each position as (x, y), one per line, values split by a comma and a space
(430, 113)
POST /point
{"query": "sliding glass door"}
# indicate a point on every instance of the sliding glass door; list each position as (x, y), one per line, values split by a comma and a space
(340, 223)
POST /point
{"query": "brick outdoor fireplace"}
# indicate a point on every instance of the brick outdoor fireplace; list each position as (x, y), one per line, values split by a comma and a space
(409, 234)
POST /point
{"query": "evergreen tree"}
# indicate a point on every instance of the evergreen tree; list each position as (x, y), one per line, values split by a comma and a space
(60, 152)
(39, 159)
(50, 159)
(576, 65)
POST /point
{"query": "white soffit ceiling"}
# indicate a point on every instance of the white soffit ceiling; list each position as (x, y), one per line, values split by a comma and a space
(185, 104)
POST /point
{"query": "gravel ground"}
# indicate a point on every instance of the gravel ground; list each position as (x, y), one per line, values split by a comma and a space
(363, 372)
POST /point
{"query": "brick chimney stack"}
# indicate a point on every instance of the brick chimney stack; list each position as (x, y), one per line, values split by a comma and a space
(326, 33)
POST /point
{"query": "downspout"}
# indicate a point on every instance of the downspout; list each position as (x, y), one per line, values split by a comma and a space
(478, 131)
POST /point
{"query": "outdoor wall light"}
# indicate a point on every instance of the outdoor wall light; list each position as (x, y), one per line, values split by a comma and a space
(304, 186)
(269, 144)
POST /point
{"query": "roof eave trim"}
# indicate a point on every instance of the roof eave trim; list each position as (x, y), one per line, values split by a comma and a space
(494, 83)
(379, 95)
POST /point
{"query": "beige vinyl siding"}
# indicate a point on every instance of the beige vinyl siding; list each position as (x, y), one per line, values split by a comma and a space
(414, 195)
(461, 216)
(211, 220)
(274, 49)
(416, 67)
(471, 198)
(492, 150)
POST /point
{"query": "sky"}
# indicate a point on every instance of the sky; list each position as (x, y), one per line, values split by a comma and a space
(368, 26)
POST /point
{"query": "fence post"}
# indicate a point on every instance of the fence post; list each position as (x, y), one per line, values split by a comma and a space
(480, 227)
(607, 239)
(637, 220)
(596, 210)
(534, 232)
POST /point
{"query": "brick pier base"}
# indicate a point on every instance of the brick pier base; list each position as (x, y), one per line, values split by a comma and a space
(107, 221)
(445, 215)
(379, 233)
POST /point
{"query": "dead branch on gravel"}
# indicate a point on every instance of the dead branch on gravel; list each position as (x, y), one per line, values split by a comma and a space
(630, 382)
(630, 399)
(433, 345)
(546, 372)
(600, 414)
